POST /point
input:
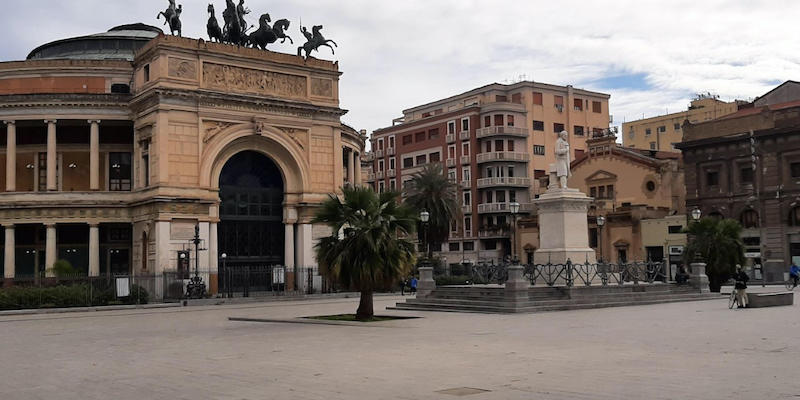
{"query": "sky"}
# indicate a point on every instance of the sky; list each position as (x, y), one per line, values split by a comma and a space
(652, 57)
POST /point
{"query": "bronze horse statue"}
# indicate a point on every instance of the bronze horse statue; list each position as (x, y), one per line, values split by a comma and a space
(214, 31)
(233, 32)
(266, 35)
(314, 41)
(172, 16)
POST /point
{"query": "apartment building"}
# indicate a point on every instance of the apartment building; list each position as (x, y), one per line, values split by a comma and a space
(662, 132)
(494, 141)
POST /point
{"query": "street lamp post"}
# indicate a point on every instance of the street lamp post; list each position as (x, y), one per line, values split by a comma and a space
(425, 216)
(696, 214)
(226, 275)
(514, 206)
(601, 220)
(196, 288)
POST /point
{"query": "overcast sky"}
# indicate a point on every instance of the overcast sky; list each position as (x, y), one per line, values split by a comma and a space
(651, 56)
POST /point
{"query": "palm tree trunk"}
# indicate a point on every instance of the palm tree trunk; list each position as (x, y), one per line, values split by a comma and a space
(365, 310)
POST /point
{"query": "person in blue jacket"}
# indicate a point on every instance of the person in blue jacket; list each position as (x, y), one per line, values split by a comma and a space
(794, 273)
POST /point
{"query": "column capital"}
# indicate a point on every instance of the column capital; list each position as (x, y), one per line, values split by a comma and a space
(50, 224)
(94, 225)
(94, 121)
(50, 121)
(8, 226)
(9, 122)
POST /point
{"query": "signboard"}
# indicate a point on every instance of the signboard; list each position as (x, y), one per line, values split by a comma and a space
(752, 254)
(278, 276)
(123, 287)
(675, 250)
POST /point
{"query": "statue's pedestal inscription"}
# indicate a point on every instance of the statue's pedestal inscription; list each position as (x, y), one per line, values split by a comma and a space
(563, 228)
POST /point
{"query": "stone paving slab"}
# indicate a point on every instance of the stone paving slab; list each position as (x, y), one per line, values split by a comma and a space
(695, 350)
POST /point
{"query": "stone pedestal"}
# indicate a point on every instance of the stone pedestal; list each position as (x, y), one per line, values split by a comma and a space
(563, 227)
(698, 278)
(516, 285)
(426, 283)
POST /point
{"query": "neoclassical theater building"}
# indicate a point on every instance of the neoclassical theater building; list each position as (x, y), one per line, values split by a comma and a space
(117, 145)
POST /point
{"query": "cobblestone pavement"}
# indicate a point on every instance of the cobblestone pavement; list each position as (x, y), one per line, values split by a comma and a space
(698, 350)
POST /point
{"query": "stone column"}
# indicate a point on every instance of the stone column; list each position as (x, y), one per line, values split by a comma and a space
(10, 254)
(94, 250)
(213, 259)
(94, 155)
(288, 246)
(351, 175)
(51, 157)
(516, 287)
(426, 283)
(698, 278)
(304, 255)
(50, 250)
(11, 156)
(358, 168)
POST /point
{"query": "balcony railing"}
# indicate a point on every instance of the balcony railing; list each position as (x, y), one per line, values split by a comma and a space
(371, 177)
(451, 162)
(486, 233)
(503, 156)
(502, 208)
(465, 159)
(505, 181)
(502, 131)
(466, 184)
(379, 175)
(464, 135)
(451, 137)
(390, 151)
(369, 156)
(378, 153)
(391, 173)
(466, 209)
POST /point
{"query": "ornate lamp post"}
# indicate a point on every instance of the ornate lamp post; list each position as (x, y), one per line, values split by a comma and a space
(425, 216)
(196, 288)
(601, 220)
(514, 206)
(696, 214)
(225, 275)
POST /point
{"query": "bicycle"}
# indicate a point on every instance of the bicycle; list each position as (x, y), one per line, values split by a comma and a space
(790, 284)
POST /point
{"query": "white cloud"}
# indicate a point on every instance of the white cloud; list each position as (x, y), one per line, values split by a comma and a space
(397, 55)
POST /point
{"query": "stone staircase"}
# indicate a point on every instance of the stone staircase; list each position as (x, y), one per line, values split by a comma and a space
(495, 299)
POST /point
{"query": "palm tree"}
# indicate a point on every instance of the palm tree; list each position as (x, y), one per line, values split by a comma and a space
(368, 249)
(430, 190)
(719, 243)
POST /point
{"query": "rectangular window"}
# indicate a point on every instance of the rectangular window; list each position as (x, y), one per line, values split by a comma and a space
(610, 191)
(578, 104)
(392, 163)
(488, 146)
(119, 172)
(147, 73)
(465, 149)
(380, 165)
(538, 125)
(500, 195)
(454, 246)
(516, 98)
(558, 127)
(433, 133)
(601, 192)
(468, 246)
(419, 137)
(512, 195)
(421, 159)
(746, 175)
(451, 175)
(487, 121)
(647, 132)
(538, 150)
(451, 151)
(467, 198)
(381, 187)
(712, 178)
(498, 120)
(795, 169)
(393, 185)
(435, 157)
(42, 168)
(465, 174)
(593, 237)
(674, 229)
(465, 125)
(408, 162)
(467, 227)
(578, 130)
(146, 166)
(558, 101)
(510, 145)
(652, 145)
(408, 139)
(537, 98)
(593, 191)
(391, 142)
(510, 120)
(498, 145)
(677, 127)
(489, 196)
(451, 127)
(500, 99)
(662, 129)
(380, 144)
(510, 172)
(597, 107)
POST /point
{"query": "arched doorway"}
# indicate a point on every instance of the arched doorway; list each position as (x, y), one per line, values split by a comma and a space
(251, 228)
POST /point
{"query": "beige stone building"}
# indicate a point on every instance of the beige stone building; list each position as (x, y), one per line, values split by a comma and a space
(662, 132)
(494, 141)
(118, 145)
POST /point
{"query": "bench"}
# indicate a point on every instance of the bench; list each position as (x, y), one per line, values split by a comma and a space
(758, 300)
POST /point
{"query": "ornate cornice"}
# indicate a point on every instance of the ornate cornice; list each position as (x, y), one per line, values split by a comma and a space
(64, 100)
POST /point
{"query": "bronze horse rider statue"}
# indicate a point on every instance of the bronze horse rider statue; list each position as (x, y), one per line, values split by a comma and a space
(172, 16)
(266, 35)
(314, 41)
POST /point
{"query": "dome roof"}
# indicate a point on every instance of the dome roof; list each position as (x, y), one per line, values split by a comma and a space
(119, 43)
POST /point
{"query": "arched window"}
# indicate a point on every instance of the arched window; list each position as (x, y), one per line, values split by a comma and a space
(749, 219)
(794, 216)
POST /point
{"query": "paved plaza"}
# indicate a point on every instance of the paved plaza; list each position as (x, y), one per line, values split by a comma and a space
(696, 350)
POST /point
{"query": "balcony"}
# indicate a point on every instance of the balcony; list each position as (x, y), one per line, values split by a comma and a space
(391, 173)
(371, 177)
(488, 208)
(451, 137)
(466, 184)
(379, 175)
(494, 232)
(503, 156)
(390, 151)
(378, 153)
(493, 131)
(465, 160)
(504, 181)
(369, 156)
(464, 135)
(466, 209)
(451, 162)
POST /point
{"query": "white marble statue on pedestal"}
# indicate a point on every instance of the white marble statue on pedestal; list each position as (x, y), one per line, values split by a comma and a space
(560, 171)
